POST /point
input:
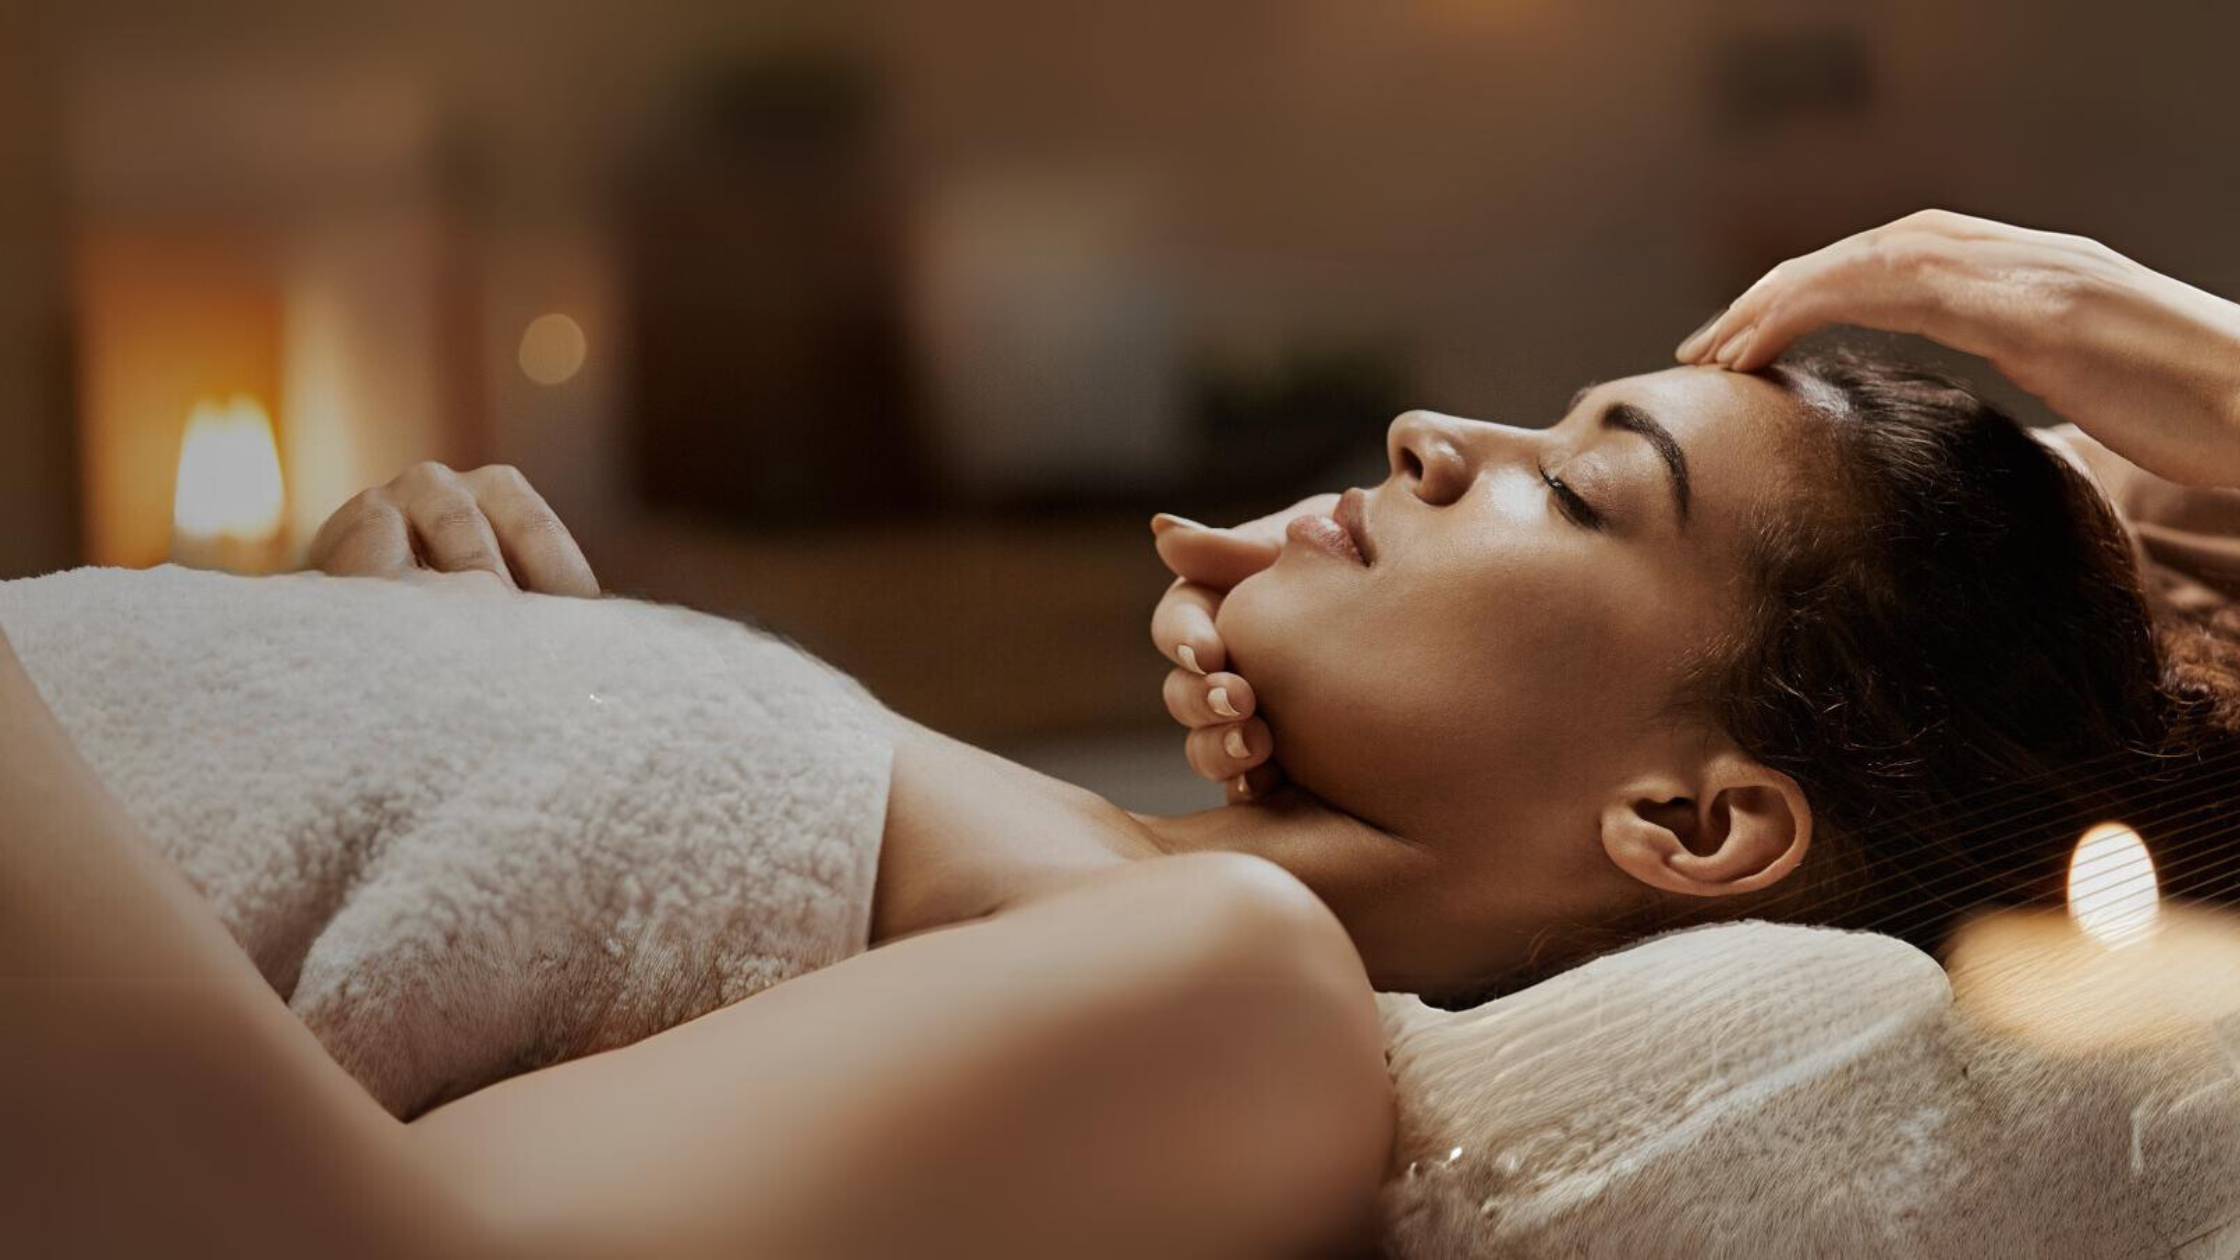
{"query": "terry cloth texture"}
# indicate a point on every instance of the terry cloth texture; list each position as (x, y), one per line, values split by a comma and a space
(463, 831)
(1755, 1091)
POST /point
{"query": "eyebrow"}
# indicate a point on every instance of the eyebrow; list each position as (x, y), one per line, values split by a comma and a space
(1629, 418)
(1632, 419)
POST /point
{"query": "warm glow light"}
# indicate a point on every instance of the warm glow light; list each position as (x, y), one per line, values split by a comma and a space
(2113, 894)
(229, 474)
(552, 349)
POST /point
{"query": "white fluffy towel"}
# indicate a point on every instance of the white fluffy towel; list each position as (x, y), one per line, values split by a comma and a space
(467, 832)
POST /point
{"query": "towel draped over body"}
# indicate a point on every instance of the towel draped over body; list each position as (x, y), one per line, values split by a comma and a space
(466, 832)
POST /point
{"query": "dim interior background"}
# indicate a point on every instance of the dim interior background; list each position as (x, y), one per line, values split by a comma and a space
(888, 325)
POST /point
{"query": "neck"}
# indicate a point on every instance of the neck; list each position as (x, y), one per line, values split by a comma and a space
(1374, 881)
(1289, 826)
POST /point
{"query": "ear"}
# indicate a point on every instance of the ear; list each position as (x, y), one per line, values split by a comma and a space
(1724, 825)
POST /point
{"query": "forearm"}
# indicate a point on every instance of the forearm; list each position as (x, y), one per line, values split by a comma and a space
(1177, 1057)
(156, 1094)
(2170, 357)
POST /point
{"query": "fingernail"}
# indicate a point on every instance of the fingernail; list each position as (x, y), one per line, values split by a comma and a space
(1165, 521)
(1244, 786)
(1732, 352)
(1692, 344)
(1219, 699)
(1234, 742)
(1189, 658)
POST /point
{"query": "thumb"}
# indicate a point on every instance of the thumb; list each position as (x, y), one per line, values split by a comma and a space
(1219, 558)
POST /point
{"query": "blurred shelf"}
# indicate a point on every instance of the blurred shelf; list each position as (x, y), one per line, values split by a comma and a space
(987, 630)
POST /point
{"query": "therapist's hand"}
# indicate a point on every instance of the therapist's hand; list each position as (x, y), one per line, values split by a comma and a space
(1201, 692)
(2147, 365)
(429, 519)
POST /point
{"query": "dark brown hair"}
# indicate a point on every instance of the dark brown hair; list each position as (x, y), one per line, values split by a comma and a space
(1953, 652)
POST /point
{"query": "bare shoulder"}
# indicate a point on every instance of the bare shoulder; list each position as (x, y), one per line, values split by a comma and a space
(1172, 1057)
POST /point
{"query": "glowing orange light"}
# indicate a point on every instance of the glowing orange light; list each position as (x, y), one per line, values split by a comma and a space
(229, 474)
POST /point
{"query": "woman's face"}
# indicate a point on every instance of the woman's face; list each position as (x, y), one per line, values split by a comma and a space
(1497, 664)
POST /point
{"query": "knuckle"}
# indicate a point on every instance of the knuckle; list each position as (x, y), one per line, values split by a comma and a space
(356, 536)
(427, 471)
(1761, 292)
(454, 517)
(1909, 254)
(473, 558)
(538, 524)
(505, 475)
(369, 515)
(1770, 313)
(1176, 692)
(1203, 750)
(364, 501)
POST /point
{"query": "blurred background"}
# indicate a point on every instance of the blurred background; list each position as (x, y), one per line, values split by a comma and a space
(887, 325)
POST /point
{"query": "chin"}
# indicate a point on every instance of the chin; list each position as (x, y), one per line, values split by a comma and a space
(1280, 636)
(1259, 623)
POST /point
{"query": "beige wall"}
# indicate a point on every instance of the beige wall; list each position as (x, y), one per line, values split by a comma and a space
(1524, 193)
(38, 519)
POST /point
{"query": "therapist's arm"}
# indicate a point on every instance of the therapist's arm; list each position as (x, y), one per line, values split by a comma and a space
(2191, 530)
(2145, 363)
(156, 1096)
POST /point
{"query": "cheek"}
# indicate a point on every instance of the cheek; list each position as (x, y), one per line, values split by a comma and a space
(1327, 671)
(1385, 704)
(1483, 684)
(1279, 631)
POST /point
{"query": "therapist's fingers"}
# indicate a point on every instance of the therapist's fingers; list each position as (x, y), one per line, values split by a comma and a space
(1949, 277)
(1182, 627)
(1254, 783)
(1219, 558)
(1211, 700)
(536, 545)
(1226, 751)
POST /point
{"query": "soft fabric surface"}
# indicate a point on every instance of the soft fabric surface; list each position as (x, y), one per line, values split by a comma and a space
(1759, 1090)
(466, 832)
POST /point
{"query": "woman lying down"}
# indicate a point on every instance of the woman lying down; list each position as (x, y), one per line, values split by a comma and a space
(1815, 638)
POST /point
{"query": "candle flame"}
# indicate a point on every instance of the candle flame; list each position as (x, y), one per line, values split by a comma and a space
(2113, 894)
(229, 473)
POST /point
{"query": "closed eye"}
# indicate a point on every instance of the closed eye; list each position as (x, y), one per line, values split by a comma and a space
(1580, 511)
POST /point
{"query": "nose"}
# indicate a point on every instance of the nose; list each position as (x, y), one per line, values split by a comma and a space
(1431, 456)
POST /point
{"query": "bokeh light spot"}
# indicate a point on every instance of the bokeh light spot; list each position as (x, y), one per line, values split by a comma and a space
(552, 349)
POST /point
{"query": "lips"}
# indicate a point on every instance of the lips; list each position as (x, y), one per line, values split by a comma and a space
(1349, 516)
(1339, 534)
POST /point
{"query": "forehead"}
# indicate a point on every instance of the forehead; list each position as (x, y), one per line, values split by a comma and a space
(1735, 429)
(1711, 404)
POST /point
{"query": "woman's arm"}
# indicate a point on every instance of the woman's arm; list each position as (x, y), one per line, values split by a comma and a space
(156, 1095)
(1178, 1057)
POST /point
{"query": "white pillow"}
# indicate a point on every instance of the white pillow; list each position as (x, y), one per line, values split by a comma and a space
(1757, 1089)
